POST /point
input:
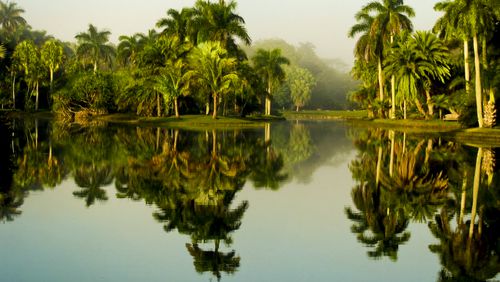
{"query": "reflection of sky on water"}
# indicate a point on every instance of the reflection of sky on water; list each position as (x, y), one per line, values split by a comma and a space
(299, 233)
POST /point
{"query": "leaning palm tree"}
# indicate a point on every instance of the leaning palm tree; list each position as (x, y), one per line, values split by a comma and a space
(213, 69)
(94, 45)
(269, 65)
(10, 16)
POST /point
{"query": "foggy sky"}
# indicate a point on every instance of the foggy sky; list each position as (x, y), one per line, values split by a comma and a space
(324, 23)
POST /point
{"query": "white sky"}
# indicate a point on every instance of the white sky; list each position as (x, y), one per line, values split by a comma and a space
(324, 23)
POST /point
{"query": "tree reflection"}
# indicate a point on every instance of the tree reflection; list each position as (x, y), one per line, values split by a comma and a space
(398, 181)
(469, 249)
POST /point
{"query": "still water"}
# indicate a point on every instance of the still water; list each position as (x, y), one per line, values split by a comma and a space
(313, 201)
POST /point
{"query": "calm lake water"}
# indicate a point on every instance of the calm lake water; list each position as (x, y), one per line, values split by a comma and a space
(294, 201)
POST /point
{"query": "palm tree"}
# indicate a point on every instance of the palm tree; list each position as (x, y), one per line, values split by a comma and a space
(369, 45)
(10, 16)
(269, 65)
(177, 23)
(213, 69)
(471, 18)
(391, 17)
(173, 83)
(94, 45)
(128, 48)
(452, 24)
(415, 58)
(52, 54)
(219, 22)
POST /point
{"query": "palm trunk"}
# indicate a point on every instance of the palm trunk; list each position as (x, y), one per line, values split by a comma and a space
(207, 108)
(466, 66)
(463, 198)
(214, 115)
(420, 107)
(404, 109)
(430, 105)
(95, 66)
(176, 109)
(297, 108)
(393, 97)
(51, 85)
(380, 80)
(36, 97)
(14, 92)
(479, 91)
(158, 104)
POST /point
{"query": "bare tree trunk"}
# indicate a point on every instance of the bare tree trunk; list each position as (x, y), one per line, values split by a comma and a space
(95, 66)
(391, 163)
(479, 91)
(379, 164)
(404, 108)
(207, 108)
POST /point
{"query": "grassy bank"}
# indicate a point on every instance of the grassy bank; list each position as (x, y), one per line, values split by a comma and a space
(325, 115)
(189, 121)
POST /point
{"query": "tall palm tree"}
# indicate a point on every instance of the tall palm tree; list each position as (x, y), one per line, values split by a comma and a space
(472, 18)
(177, 23)
(390, 18)
(219, 22)
(214, 69)
(269, 65)
(94, 44)
(10, 16)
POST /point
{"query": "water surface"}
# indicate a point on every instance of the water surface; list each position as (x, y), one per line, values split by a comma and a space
(313, 201)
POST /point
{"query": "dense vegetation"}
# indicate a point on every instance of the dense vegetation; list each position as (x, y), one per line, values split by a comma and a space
(191, 64)
(429, 72)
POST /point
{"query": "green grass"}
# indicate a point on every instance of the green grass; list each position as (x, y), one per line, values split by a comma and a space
(333, 115)
(189, 121)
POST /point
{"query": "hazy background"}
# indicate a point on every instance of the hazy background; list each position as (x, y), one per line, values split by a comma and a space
(324, 23)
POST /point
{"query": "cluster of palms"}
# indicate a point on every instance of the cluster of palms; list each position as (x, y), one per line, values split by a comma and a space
(193, 64)
(422, 67)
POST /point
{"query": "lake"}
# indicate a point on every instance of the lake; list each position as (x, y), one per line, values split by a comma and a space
(291, 201)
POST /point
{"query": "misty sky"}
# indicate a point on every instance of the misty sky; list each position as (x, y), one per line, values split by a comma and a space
(324, 23)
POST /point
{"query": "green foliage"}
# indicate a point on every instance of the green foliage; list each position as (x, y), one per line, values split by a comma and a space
(86, 91)
(300, 82)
